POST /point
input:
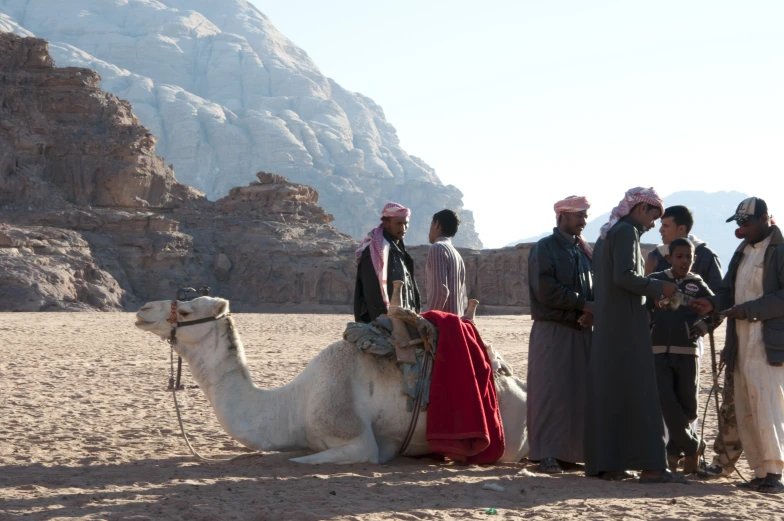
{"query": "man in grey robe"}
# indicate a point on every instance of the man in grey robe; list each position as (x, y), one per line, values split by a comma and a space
(624, 428)
(559, 277)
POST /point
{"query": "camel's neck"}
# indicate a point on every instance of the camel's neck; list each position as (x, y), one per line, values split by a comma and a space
(258, 418)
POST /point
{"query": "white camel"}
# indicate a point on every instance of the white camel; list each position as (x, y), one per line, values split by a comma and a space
(345, 406)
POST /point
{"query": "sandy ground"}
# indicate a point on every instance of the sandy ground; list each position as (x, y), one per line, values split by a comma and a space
(88, 431)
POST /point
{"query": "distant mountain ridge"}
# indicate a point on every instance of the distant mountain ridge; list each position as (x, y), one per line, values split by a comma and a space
(710, 210)
(227, 95)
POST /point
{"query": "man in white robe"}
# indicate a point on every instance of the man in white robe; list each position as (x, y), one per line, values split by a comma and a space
(752, 292)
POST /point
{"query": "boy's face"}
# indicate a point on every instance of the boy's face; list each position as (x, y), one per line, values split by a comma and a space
(681, 259)
(670, 231)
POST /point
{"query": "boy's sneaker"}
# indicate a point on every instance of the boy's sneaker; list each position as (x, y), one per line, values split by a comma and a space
(714, 471)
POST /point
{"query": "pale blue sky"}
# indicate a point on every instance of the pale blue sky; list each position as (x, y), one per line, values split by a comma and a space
(519, 103)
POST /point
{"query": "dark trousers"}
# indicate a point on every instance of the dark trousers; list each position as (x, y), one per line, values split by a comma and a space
(677, 377)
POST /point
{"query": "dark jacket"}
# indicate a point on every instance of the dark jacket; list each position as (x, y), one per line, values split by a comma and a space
(368, 302)
(769, 309)
(706, 263)
(670, 327)
(559, 280)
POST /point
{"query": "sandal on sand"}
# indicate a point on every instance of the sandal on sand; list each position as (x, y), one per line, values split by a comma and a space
(550, 466)
(617, 475)
(776, 487)
(770, 485)
(666, 477)
(753, 484)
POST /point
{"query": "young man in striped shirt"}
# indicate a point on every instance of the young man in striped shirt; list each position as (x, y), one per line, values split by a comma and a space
(445, 271)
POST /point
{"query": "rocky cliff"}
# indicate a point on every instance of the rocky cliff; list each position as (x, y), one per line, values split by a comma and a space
(228, 95)
(93, 219)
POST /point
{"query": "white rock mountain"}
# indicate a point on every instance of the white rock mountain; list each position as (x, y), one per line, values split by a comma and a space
(227, 95)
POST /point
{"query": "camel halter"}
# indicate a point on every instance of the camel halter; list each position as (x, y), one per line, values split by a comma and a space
(172, 340)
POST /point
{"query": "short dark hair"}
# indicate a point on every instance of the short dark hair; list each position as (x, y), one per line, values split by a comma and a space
(681, 215)
(680, 241)
(449, 222)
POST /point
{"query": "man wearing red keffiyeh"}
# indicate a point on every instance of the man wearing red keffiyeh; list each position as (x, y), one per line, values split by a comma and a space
(560, 286)
(382, 259)
(623, 420)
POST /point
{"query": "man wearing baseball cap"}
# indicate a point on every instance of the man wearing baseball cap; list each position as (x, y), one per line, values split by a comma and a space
(752, 293)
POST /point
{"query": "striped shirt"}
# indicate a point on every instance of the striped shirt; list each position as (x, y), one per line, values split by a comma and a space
(445, 278)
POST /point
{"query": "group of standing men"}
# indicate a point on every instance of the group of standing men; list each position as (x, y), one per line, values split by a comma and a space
(614, 350)
(615, 346)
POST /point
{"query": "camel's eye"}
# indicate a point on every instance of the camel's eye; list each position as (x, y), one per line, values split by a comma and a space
(184, 313)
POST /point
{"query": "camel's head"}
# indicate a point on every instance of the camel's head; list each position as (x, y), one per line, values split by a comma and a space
(158, 317)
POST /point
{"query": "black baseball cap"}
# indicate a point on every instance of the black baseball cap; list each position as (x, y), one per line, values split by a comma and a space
(751, 207)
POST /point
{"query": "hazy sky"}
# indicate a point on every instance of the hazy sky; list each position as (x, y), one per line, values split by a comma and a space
(520, 103)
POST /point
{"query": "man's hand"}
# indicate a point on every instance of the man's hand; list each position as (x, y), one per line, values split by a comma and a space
(585, 320)
(701, 306)
(737, 312)
(588, 307)
(698, 330)
(669, 289)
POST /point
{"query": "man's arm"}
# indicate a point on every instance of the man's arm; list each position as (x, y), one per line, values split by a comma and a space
(770, 305)
(722, 300)
(436, 271)
(546, 288)
(625, 268)
(712, 275)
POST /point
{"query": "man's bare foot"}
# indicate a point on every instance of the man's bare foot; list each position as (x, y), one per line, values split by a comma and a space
(691, 463)
(550, 466)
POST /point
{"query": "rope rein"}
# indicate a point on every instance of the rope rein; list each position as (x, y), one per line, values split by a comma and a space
(172, 340)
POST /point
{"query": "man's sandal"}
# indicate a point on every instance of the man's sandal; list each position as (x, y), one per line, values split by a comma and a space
(753, 484)
(550, 466)
(617, 475)
(770, 486)
(666, 477)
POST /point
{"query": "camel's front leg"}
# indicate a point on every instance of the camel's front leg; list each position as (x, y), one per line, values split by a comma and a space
(362, 449)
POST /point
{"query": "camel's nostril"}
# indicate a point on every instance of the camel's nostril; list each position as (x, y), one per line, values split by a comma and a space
(146, 308)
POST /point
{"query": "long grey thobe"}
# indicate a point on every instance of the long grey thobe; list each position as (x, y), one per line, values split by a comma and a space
(623, 421)
(559, 276)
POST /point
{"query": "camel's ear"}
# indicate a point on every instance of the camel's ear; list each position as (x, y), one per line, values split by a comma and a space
(221, 307)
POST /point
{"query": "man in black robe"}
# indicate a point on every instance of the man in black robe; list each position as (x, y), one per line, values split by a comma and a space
(623, 419)
(559, 279)
(381, 260)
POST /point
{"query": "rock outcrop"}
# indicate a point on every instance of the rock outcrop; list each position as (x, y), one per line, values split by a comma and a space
(92, 218)
(228, 96)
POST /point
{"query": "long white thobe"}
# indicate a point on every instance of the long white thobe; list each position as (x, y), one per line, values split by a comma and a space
(759, 386)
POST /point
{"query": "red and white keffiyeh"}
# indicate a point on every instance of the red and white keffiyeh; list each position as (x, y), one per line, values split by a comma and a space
(574, 204)
(632, 198)
(379, 247)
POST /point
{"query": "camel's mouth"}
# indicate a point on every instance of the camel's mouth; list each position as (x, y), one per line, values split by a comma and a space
(142, 323)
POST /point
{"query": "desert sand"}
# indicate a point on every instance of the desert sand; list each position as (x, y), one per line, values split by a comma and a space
(89, 431)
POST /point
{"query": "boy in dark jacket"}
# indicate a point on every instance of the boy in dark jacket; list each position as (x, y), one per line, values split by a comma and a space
(675, 348)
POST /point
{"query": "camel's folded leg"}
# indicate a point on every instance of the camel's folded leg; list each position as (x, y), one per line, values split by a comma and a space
(362, 449)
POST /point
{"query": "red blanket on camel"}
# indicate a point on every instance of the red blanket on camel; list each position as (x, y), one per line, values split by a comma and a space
(463, 418)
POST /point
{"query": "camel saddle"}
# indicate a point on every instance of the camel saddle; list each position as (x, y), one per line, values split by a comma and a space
(376, 338)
